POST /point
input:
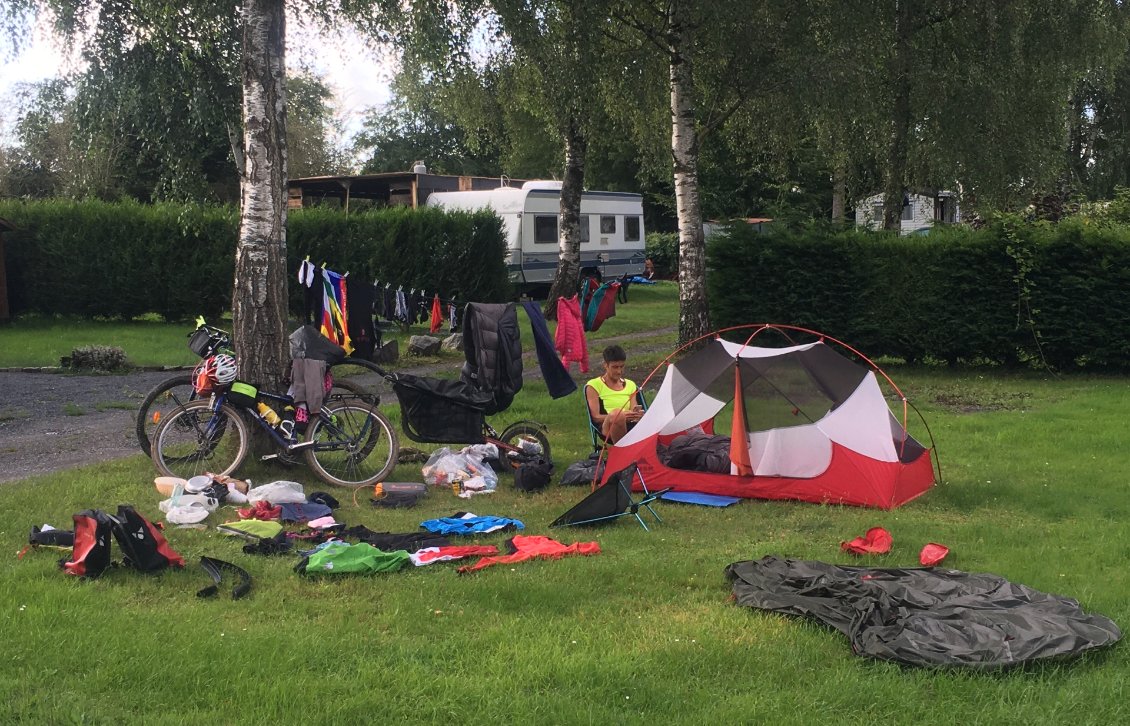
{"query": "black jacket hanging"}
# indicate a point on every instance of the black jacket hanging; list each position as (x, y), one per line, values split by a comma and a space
(557, 378)
(493, 347)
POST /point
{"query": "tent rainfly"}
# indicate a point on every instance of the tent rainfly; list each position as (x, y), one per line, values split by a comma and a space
(806, 423)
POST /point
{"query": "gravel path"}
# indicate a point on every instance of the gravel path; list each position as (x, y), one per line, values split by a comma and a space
(51, 421)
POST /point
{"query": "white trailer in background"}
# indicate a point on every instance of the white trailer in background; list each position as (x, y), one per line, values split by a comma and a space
(612, 234)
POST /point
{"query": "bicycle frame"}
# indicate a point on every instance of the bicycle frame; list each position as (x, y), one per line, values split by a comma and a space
(293, 445)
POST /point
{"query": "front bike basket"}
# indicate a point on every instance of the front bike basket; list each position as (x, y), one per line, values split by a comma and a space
(440, 411)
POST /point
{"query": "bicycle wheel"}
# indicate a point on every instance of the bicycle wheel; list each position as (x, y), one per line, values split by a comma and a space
(166, 397)
(196, 439)
(345, 375)
(523, 442)
(353, 445)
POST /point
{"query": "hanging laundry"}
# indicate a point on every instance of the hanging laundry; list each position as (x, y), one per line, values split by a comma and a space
(570, 339)
(310, 280)
(524, 548)
(588, 287)
(602, 306)
(437, 314)
(306, 271)
(335, 310)
(557, 378)
(362, 333)
(401, 312)
(451, 313)
(388, 296)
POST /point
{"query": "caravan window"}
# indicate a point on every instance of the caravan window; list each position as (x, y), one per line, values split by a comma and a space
(631, 229)
(608, 225)
(584, 228)
(545, 229)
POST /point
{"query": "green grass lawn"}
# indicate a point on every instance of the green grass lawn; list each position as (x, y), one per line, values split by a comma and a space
(1036, 489)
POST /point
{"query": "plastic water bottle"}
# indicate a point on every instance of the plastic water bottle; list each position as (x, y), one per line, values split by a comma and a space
(286, 426)
(268, 414)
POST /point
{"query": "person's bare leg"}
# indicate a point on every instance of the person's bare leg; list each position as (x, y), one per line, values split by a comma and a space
(615, 426)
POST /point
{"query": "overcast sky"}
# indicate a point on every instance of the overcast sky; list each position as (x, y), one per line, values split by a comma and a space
(358, 75)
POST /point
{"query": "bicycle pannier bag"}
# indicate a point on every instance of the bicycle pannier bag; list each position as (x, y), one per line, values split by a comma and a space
(243, 394)
(143, 546)
(91, 555)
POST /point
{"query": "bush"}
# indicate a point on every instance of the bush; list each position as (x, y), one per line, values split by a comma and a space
(97, 259)
(662, 248)
(1010, 292)
(106, 358)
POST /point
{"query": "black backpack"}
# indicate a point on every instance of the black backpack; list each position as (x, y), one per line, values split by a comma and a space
(144, 547)
(533, 476)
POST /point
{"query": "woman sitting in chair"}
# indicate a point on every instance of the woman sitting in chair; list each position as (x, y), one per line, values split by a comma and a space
(612, 400)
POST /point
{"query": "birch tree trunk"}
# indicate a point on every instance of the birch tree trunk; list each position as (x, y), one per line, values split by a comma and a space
(568, 276)
(694, 315)
(259, 297)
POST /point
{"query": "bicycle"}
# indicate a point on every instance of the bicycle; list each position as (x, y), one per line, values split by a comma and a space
(173, 393)
(348, 443)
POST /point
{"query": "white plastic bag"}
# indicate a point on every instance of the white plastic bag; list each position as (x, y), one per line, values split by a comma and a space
(277, 492)
(480, 470)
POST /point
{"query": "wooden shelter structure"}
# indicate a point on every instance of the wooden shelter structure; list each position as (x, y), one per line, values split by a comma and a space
(400, 188)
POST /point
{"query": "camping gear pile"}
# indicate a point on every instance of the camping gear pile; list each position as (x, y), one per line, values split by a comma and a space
(806, 423)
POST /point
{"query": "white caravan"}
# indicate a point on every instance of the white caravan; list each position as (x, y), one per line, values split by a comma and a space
(612, 234)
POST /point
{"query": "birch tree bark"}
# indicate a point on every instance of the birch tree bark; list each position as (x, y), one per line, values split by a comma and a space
(568, 275)
(259, 298)
(694, 315)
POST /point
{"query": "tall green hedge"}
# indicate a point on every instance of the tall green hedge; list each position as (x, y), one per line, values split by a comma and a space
(121, 260)
(1005, 293)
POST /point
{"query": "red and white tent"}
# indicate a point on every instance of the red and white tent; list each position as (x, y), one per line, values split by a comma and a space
(805, 422)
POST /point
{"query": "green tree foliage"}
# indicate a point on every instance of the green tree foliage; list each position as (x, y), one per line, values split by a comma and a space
(426, 124)
(42, 163)
(312, 131)
(153, 117)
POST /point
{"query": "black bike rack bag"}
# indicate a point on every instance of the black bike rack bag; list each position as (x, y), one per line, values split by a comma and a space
(200, 341)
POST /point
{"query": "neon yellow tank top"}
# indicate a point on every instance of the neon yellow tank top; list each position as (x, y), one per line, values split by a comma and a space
(614, 400)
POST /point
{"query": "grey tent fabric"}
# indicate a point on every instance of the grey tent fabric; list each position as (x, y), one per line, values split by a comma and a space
(493, 346)
(924, 616)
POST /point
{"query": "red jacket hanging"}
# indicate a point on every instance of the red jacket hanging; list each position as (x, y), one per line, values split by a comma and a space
(570, 338)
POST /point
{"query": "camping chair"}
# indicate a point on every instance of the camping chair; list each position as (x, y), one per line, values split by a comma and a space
(595, 434)
(612, 501)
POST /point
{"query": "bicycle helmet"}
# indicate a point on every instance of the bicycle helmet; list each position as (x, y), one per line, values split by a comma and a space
(224, 369)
